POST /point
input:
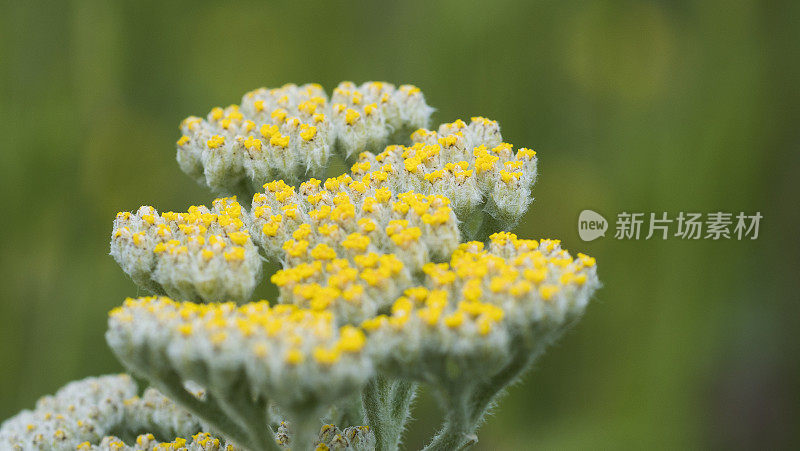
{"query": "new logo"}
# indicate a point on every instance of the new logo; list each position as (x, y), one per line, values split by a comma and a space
(591, 225)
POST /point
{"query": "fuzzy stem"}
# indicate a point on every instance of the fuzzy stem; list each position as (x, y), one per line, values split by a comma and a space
(469, 406)
(486, 393)
(403, 394)
(387, 407)
(169, 383)
(458, 431)
(373, 409)
(250, 413)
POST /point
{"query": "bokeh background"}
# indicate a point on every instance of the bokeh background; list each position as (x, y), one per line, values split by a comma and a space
(643, 106)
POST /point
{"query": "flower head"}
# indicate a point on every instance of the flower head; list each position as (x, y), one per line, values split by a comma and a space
(244, 357)
(474, 314)
(467, 163)
(289, 132)
(204, 254)
(347, 246)
(365, 116)
(94, 414)
(89, 415)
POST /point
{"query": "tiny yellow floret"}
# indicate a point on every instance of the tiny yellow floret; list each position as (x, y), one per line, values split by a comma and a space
(351, 116)
(215, 141)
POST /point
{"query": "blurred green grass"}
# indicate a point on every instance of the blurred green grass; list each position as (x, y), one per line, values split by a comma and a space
(632, 106)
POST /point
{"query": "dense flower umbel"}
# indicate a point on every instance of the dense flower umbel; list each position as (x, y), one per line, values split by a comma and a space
(288, 133)
(472, 314)
(485, 314)
(84, 412)
(377, 291)
(343, 243)
(204, 254)
(479, 322)
(106, 414)
(347, 246)
(353, 217)
(367, 116)
(245, 357)
(467, 163)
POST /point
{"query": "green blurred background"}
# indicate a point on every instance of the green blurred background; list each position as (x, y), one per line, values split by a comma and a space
(643, 106)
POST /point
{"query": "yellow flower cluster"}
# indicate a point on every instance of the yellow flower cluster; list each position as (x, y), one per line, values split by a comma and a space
(368, 116)
(331, 437)
(205, 254)
(351, 218)
(275, 133)
(467, 163)
(92, 414)
(348, 246)
(472, 311)
(87, 414)
(201, 441)
(434, 309)
(284, 353)
(289, 132)
(343, 242)
(375, 279)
